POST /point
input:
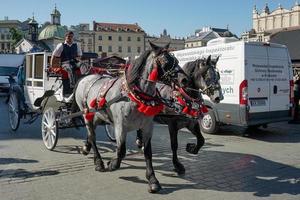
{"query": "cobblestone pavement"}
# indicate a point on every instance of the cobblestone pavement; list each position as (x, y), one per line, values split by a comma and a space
(263, 165)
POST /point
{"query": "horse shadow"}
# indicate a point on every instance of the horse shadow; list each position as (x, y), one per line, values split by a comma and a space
(6, 161)
(22, 174)
(223, 171)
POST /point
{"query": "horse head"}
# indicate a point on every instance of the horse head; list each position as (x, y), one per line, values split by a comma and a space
(202, 74)
(155, 65)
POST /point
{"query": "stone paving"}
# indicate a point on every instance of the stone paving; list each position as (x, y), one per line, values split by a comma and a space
(264, 165)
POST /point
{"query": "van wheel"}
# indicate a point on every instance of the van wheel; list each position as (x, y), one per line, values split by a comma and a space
(208, 123)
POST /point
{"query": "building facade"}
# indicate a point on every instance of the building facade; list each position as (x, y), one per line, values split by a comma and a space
(6, 41)
(265, 23)
(164, 39)
(86, 36)
(123, 40)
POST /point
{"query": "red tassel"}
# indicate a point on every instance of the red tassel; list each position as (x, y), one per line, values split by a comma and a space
(93, 103)
(89, 116)
(204, 109)
(185, 110)
(153, 75)
(101, 102)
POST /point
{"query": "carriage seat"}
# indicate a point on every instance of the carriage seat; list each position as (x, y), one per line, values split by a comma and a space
(60, 72)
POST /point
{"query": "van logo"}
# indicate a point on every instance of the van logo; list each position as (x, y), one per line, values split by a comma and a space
(226, 71)
(258, 90)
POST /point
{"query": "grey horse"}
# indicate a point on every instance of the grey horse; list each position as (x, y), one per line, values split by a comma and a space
(121, 107)
(200, 75)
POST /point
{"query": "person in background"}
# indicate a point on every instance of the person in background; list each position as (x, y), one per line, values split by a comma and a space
(295, 112)
(69, 53)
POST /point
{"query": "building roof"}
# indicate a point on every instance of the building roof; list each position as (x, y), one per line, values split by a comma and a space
(289, 37)
(36, 45)
(52, 31)
(200, 36)
(109, 27)
(10, 21)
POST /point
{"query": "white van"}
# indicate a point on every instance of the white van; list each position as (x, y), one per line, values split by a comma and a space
(256, 79)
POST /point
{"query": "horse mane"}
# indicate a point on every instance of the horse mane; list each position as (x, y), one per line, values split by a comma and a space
(137, 66)
(189, 67)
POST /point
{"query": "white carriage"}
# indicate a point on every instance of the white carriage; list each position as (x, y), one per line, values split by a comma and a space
(43, 93)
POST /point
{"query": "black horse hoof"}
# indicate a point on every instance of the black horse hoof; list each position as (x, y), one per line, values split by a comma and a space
(180, 171)
(99, 166)
(86, 149)
(139, 143)
(154, 188)
(192, 148)
(113, 165)
(179, 168)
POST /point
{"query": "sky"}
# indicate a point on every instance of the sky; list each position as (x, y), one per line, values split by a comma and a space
(179, 17)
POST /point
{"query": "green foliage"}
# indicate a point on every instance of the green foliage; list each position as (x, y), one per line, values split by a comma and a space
(16, 35)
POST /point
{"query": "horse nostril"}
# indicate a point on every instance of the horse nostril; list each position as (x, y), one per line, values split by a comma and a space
(217, 100)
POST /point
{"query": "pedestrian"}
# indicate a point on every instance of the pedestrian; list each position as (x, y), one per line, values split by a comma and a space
(69, 53)
(295, 112)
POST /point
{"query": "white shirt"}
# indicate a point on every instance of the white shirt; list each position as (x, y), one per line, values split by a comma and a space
(59, 49)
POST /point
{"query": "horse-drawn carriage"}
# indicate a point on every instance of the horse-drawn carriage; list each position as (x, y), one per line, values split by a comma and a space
(129, 102)
(46, 91)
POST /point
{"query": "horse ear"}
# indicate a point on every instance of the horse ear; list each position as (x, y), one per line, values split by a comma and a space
(208, 60)
(217, 59)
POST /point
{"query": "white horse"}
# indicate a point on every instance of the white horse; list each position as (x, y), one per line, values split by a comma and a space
(129, 103)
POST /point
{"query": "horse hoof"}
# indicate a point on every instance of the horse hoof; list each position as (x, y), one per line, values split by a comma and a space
(192, 148)
(139, 143)
(154, 188)
(99, 166)
(112, 165)
(179, 168)
(86, 149)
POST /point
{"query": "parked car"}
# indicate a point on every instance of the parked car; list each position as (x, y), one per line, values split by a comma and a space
(9, 64)
(4, 84)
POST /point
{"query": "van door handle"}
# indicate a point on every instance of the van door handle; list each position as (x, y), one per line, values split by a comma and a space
(275, 89)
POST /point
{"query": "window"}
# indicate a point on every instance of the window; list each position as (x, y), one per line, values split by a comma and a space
(90, 41)
(129, 38)
(139, 49)
(2, 36)
(100, 37)
(38, 66)
(109, 48)
(2, 46)
(120, 38)
(109, 37)
(128, 49)
(8, 45)
(8, 37)
(28, 66)
(99, 48)
(120, 49)
(138, 39)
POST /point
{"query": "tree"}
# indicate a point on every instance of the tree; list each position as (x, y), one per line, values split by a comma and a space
(16, 35)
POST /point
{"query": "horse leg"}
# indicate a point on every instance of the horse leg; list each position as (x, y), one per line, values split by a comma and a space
(173, 131)
(92, 141)
(86, 147)
(115, 163)
(193, 148)
(153, 183)
(139, 138)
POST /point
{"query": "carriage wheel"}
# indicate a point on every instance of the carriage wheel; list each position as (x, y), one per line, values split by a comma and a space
(49, 129)
(14, 111)
(110, 132)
